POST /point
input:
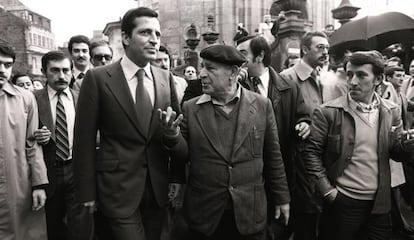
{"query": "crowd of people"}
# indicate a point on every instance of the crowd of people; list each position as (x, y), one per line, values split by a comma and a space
(232, 149)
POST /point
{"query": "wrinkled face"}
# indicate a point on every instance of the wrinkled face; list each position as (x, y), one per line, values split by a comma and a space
(25, 83)
(317, 53)
(411, 69)
(80, 55)
(190, 73)
(143, 44)
(216, 78)
(252, 65)
(58, 74)
(361, 82)
(397, 80)
(101, 56)
(162, 61)
(6, 67)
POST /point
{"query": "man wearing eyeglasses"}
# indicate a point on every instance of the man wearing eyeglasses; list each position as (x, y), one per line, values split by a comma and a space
(101, 53)
(314, 48)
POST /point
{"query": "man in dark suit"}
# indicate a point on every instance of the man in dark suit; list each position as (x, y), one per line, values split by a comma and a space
(129, 181)
(78, 48)
(56, 138)
(233, 147)
(290, 111)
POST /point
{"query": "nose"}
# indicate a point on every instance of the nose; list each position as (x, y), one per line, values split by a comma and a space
(353, 80)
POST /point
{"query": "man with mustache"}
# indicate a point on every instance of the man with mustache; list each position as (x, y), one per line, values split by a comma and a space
(314, 54)
(79, 51)
(23, 175)
(347, 154)
(57, 118)
(129, 181)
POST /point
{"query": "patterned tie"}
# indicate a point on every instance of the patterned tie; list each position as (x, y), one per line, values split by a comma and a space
(61, 131)
(80, 76)
(256, 81)
(143, 103)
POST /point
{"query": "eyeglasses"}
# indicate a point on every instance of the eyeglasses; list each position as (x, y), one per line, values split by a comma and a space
(100, 57)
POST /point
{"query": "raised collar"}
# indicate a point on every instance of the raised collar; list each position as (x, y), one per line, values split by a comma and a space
(9, 88)
(303, 70)
(207, 98)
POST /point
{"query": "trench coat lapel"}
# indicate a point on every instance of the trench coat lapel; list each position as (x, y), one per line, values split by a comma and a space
(205, 117)
(245, 120)
(118, 85)
(45, 113)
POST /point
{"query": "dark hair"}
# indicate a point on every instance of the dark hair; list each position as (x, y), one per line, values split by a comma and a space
(128, 21)
(307, 39)
(373, 57)
(98, 43)
(53, 56)
(18, 75)
(6, 50)
(77, 39)
(257, 45)
(394, 59)
(389, 71)
(165, 50)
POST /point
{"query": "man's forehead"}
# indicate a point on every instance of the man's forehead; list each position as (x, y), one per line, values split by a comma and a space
(147, 22)
(64, 63)
(102, 48)
(364, 67)
(316, 40)
(80, 46)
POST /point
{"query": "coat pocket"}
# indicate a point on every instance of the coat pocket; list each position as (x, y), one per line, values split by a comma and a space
(256, 139)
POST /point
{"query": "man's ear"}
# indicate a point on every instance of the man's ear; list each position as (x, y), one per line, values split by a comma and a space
(305, 49)
(234, 72)
(125, 39)
(259, 58)
(43, 71)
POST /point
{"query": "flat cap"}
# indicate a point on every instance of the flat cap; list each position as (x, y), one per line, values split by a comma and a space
(223, 54)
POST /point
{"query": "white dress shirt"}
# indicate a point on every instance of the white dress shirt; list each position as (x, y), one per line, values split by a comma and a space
(130, 69)
(69, 105)
(264, 83)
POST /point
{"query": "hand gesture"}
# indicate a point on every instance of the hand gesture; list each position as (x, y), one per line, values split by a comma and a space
(303, 129)
(170, 122)
(39, 199)
(283, 210)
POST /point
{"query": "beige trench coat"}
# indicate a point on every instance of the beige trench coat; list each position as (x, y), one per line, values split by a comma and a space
(21, 166)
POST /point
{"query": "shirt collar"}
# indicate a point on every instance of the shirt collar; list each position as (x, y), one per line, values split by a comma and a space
(130, 68)
(207, 98)
(363, 107)
(52, 92)
(303, 70)
(76, 72)
(264, 78)
(9, 88)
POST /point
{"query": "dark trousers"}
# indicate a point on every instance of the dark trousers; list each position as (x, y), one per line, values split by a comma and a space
(63, 214)
(227, 230)
(351, 219)
(144, 224)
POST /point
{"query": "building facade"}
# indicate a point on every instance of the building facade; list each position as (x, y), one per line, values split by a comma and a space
(29, 33)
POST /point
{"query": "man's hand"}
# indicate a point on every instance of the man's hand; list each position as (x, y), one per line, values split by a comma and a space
(331, 196)
(408, 140)
(173, 191)
(42, 135)
(90, 206)
(303, 130)
(283, 210)
(169, 122)
(39, 199)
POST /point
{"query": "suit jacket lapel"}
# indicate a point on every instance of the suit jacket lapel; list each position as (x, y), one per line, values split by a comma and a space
(245, 118)
(45, 113)
(205, 116)
(118, 85)
(161, 98)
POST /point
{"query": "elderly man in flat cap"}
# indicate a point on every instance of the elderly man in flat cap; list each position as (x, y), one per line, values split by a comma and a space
(347, 154)
(233, 149)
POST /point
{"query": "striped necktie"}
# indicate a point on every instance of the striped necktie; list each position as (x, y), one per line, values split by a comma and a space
(143, 103)
(61, 131)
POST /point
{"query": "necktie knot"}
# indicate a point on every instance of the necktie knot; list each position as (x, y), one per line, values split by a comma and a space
(256, 81)
(140, 74)
(80, 75)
